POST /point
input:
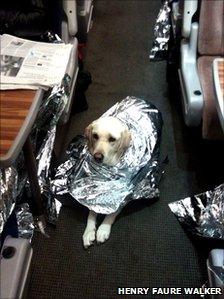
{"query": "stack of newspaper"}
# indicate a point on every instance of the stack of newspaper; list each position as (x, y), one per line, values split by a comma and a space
(29, 64)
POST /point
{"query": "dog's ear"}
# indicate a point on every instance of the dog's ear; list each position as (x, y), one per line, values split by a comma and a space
(89, 136)
(126, 138)
(124, 142)
(88, 131)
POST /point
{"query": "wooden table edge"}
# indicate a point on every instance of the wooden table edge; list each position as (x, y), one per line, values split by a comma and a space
(16, 147)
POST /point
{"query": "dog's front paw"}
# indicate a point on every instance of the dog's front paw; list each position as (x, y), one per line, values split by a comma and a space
(103, 233)
(89, 237)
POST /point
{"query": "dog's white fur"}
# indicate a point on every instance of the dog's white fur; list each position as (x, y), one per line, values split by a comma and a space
(109, 137)
(107, 140)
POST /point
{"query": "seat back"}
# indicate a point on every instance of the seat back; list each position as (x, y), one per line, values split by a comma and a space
(211, 28)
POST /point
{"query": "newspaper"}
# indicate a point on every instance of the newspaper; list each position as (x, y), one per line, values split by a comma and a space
(29, 64)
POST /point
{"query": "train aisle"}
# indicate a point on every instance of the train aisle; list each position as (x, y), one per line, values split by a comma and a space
(147, 247)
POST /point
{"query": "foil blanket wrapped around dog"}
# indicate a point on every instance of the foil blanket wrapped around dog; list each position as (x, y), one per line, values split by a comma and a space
(105, 189)
(202, 214)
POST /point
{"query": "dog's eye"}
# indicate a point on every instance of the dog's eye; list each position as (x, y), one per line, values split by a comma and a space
(112, 139)
(95, 136)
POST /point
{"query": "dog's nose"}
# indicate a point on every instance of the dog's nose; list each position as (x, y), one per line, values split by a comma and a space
(98, 157)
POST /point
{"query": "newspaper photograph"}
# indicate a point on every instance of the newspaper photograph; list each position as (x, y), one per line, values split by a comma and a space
(29, 64)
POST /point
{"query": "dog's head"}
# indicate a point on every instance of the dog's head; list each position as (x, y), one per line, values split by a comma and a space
(108, 138)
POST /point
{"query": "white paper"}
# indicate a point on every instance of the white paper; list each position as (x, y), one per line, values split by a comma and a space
(35, 64)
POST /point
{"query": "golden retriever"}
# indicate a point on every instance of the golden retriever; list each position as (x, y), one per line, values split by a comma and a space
(107, 140)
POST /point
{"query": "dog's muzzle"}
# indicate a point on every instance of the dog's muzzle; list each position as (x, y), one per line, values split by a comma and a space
(98, 157)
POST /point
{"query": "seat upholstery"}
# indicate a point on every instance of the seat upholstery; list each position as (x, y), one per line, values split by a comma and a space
(211, 28)
(210, 46)
(211, 127)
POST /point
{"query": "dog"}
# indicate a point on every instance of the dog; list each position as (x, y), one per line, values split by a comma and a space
(107, 139)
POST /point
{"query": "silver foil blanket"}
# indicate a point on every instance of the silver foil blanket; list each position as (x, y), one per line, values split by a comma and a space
(46, 123)
(162, 27)
(8, 193)
(14, 178)
(202, 214)
(106, 189)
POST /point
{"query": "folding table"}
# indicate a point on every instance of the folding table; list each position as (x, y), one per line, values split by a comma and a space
(18, 111)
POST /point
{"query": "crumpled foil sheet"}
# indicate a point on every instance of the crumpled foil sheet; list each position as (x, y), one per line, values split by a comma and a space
(106, 189)
(162, 28)
(25, 221)
(8, 193)
(202, 214)
(14, 178)
(49, 116)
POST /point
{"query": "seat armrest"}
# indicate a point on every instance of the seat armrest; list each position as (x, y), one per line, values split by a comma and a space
(64, 32)
(190, 7)
(215, 264)
(72, 71)
(71, 13)
(73, 58)
(192, 98)
(15, 267)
